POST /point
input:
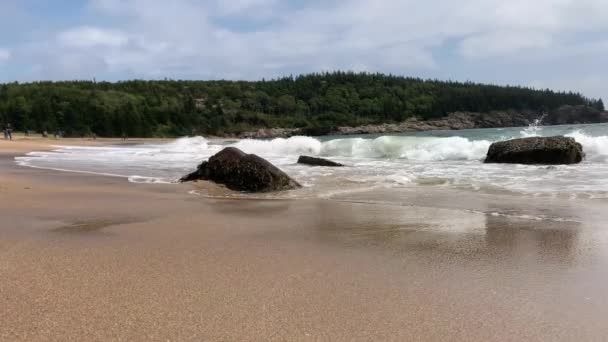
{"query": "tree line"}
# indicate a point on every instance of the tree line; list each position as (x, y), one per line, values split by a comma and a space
(315, 103)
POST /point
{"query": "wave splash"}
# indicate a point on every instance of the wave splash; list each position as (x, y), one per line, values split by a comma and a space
(280, 146)
(393, 147)
(389, 147)
(596, 148)
(409, 148)
(450, 159)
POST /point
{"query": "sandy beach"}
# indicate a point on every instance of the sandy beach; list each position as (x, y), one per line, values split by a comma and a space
(91, 258)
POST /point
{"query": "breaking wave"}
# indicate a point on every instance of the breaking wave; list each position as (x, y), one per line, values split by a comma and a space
(596, 148)
(450, 159)
(390, 147)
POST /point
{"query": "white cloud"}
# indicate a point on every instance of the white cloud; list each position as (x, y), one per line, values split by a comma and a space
(90, 37)
(5, 54)
(265, 38)
(308, 39)
(236, 6)
(504, 43)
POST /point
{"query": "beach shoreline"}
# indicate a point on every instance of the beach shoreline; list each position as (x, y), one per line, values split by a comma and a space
(88, 257)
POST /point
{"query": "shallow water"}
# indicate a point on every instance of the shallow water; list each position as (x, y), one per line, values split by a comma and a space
(436, 159)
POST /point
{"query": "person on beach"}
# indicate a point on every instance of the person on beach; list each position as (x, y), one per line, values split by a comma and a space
(8, 132)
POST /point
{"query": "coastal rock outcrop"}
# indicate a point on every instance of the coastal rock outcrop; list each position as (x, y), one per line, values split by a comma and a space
(269, 133)
(492, 119)
(313, 161)
(536, 150)
(575, 115)
(454, 121)
(242, 172)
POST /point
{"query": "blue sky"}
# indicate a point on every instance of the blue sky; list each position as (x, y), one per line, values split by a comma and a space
(559, 44)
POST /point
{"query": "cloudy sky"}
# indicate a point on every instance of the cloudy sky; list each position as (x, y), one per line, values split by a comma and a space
(560, 44)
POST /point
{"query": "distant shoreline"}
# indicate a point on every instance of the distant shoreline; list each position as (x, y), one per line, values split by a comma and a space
(313, 104)
(454, 121)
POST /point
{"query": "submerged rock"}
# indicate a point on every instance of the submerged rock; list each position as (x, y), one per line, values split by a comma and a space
(536, 150)
(242, 172)
(317, 161)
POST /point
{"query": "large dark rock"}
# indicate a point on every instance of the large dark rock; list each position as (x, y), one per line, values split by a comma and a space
(242, 172)
(536, 150)
(317, 161)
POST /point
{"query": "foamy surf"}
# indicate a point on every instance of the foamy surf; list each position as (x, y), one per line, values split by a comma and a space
(427, 159)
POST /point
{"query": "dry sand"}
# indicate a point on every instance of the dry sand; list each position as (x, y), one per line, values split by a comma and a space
(90, 258)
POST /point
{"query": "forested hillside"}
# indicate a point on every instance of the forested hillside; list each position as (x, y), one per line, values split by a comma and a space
(314, 102)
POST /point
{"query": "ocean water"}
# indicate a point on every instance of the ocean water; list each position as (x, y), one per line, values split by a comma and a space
(417, 160)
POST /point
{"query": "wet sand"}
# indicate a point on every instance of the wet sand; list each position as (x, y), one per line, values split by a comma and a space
(22, 144)
(85, 257)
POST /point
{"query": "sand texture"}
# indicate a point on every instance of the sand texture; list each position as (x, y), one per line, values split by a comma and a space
(91, 258)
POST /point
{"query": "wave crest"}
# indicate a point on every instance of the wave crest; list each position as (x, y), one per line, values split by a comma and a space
(280, 146)
(596, 148)
(389, 147)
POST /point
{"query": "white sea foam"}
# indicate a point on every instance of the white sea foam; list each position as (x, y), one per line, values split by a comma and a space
(596, 148)
(391, 147)
(280, 146)
(448, 159)
(148, 180)
(454, 148)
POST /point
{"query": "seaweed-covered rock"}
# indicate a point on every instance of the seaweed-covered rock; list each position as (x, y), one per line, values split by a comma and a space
(536, 150)
(242, 172)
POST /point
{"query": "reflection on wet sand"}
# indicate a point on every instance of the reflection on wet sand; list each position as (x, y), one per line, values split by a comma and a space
(90, 226)
(431, 232)
(555, 242)
(253, 208)
(451, 232)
